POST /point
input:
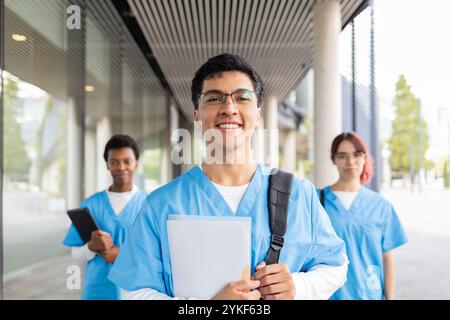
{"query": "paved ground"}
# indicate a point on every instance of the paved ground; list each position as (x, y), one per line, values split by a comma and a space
(33, 229)
(422, 265)
(45, 280)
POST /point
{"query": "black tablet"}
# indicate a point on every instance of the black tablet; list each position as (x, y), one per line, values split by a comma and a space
(83, 222)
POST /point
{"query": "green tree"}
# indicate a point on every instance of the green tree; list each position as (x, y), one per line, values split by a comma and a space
(16, 161)
(152, 163)
(405, 130)
(446, 175)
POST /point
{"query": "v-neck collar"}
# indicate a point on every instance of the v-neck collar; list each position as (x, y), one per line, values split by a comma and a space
(247, 202)
(330, 195)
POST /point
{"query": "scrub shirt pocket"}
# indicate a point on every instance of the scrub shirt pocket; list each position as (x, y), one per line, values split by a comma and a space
(371, 285)
(369, 228)
(294, 254)
(370, 234)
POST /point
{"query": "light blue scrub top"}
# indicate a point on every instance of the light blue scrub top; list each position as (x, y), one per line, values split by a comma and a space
(96, 284)
(144, 261)
(370, 227)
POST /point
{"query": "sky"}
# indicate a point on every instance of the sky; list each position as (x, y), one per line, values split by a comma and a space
(413, 38)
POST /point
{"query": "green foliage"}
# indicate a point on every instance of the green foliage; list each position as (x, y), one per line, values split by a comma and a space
(405, 130)
(151, 160)
(446, 175)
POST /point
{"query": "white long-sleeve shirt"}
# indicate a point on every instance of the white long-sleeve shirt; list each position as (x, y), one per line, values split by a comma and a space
(118, 200)
(318, 283)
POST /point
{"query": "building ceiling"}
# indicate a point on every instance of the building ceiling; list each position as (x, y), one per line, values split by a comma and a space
(275, 36)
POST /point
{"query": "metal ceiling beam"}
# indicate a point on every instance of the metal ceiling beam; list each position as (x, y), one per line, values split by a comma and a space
(275, 36)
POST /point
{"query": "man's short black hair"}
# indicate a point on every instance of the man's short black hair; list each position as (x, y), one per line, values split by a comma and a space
(215, 66)
(121, 141)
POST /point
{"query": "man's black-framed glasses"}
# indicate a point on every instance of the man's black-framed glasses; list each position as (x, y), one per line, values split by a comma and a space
(241, 97)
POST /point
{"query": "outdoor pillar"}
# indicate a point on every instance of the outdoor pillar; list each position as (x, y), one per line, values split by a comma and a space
(76, 113)
(271, 121)
(74, 155)
(290, 151)
(90, 162)
(103, 135)
(327, 87)
(259, 143)
(173, 124)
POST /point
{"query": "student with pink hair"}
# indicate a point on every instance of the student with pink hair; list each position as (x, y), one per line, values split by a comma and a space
(365, 220)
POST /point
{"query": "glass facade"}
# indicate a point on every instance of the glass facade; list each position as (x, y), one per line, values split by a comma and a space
(72, 75)
(68, 83)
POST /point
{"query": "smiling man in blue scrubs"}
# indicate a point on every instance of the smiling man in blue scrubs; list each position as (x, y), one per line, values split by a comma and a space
(114, 211)
(227, 94)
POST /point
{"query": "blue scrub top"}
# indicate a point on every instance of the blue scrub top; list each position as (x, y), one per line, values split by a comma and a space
(96, 284)
(370, 227)
(144, 261)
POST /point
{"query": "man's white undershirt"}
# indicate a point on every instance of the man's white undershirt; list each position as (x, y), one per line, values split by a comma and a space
(232, 195)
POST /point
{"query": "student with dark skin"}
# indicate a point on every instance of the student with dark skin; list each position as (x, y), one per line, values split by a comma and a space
(114, 210)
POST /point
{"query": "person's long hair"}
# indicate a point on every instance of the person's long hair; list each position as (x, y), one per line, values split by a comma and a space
(360, 146)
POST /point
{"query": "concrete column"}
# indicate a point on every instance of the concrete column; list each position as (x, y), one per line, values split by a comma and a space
(327, 87)
(103, 135)
(173, 125)
(76, 113)
(258, 143)
(271, 125)
(74, 156)
(301, 170)
(90, 181)
(290, 151)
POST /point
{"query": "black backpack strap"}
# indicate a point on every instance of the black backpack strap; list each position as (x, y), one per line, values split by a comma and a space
(322, 197)
(280, 183)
